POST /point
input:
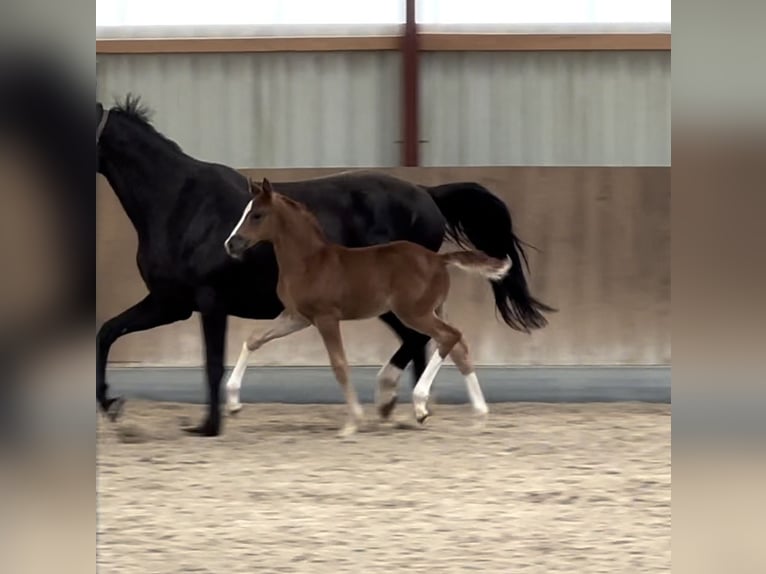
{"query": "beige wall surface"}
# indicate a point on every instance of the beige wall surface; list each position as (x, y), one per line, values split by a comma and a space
(603, 236)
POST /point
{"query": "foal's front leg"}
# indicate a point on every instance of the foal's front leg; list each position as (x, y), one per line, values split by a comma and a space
(283, 325)
(329, 328)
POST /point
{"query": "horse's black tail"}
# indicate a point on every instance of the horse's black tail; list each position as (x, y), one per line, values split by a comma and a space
(477, 218)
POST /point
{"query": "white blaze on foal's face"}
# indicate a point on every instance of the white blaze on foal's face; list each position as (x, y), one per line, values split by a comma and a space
(245, 213)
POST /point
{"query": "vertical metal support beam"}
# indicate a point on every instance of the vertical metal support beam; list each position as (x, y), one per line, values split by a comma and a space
(410, 93)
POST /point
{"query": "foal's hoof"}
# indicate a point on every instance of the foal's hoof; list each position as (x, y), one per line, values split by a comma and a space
(205, 429)
(349, 429)
(113, 409)
(420, 403)
(481, 411)
(234, 409)
(385, 410)
(421, 413)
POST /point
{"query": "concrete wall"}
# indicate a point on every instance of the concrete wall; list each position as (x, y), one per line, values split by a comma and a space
(604, 236)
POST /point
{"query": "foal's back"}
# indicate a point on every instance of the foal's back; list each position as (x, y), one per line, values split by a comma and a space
(380, 278)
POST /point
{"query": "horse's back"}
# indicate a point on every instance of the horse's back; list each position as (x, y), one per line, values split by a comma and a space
(361, 208)
(355, 208)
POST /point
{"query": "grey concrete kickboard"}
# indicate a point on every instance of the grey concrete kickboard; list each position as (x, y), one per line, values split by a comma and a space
(302, 385)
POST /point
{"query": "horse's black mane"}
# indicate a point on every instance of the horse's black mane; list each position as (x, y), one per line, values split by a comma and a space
(136, 110)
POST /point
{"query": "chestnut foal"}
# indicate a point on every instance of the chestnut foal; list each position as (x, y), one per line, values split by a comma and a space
(321, 284)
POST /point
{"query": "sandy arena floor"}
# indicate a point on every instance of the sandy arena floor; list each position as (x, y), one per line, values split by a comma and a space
(541, 488)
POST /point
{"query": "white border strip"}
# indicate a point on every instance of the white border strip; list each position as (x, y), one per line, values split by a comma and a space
(291, 30)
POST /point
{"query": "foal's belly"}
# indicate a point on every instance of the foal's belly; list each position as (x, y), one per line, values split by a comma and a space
(351, 307)
(362, 306)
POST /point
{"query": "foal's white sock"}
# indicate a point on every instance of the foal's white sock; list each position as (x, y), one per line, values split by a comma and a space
(234, 383)
(423, 387)
(475, 394)
(389, 373)
(388, 382)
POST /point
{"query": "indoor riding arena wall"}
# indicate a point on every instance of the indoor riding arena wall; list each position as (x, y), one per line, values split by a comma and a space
(571, 470)
(602, 257)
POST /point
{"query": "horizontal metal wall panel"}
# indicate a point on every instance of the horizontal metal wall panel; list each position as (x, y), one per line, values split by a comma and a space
(343, 109)
(546, 108)
(268, 109)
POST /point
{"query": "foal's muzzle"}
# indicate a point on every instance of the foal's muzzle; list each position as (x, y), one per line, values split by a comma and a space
(235, 246)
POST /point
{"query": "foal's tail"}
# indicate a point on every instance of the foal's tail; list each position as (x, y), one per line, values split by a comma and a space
(480, 263)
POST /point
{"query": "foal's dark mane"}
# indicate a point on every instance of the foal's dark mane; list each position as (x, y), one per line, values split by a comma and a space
(133, 109)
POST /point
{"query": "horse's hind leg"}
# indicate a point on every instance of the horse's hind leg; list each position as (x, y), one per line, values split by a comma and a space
(283, 325)
(329, 329)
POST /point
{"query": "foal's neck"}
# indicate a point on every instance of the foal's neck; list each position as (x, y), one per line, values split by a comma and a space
(299, 238)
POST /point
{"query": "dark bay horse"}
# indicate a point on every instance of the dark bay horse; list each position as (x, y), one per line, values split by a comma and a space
(183, 209)
(321, 284)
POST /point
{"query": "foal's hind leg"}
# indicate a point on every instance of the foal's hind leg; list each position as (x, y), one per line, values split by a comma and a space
(459, 355)
(329, 328)
(462, 360)
(283, 325)
(446, 337)
(412, 349)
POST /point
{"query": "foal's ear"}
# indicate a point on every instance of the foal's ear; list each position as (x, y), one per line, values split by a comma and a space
(266, 187)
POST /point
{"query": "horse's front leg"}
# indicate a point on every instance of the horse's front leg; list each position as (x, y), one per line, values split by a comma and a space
(153, 311)
(214, 319)
(284, 325)
(329, 328)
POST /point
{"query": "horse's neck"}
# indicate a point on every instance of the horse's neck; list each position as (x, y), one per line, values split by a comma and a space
(147, 179)
(295, 244)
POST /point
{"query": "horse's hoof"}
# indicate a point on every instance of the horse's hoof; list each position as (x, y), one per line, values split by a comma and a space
(204, 429)
(114, 408)
(422, 418)
(234, 409)
(385, 410)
